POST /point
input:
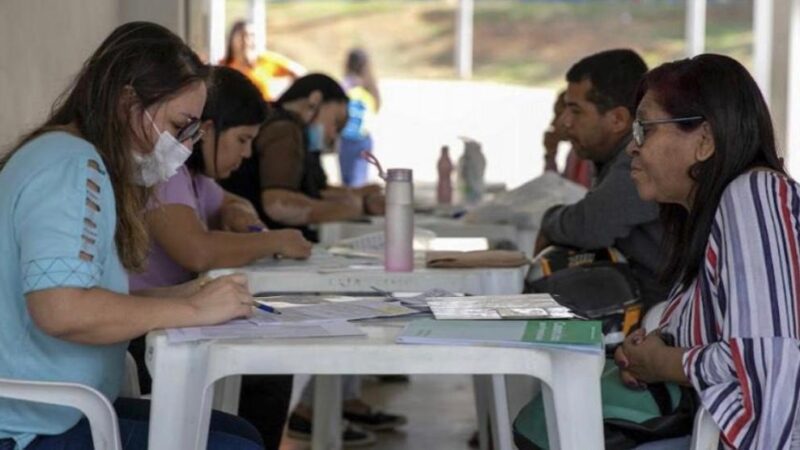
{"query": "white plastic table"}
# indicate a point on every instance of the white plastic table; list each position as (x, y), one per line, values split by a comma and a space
(326, 273)
(524, 239)
(184, 376)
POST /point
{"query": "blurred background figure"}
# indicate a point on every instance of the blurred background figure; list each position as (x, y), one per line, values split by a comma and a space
(576, 169)
(365, 101)
(263, 68)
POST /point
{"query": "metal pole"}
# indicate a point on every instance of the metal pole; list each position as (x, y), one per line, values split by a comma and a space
(216, 32)
(258, 15)
(695, 27)
(791, 153)
(464, 38)
(762, 45)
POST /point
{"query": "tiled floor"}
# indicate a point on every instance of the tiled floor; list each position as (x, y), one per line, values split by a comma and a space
(440, 411)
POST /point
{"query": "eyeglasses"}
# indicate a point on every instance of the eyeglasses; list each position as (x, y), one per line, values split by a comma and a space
(190, 132)
(639, 126)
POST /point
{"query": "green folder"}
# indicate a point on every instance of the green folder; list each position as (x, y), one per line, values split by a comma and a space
(574, 335)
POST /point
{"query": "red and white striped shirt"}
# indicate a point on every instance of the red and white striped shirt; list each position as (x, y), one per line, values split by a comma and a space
(740, 318)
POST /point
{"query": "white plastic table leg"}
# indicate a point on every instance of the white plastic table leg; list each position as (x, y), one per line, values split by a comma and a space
(226, 394)
(570, 399)
(327, 428)
(520, 389)
(180, 411)
(498, 407)
(482, 388)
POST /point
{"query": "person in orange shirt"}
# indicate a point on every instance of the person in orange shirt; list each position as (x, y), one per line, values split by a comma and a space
(262, 67)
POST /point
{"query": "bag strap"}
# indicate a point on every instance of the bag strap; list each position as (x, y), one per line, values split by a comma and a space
(662, 398)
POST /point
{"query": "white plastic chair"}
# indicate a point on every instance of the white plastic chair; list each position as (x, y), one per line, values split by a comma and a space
(97, 409)
(705, 434)
(130, 382)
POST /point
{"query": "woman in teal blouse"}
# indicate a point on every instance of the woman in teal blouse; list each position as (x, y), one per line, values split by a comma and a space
(72, 194)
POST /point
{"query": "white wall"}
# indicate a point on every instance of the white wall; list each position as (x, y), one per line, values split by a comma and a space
(42, 46)
(169, 13)
(418, 117)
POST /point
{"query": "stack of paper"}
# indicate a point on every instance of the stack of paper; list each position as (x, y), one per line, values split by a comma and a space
(573, 335)
(417, 301)
(372, 245)
(526, 306)
(332, 308)
(300, 316)
(241, 329)
(526, 205)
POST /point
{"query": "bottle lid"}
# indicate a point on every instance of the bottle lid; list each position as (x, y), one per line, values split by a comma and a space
(398, 175)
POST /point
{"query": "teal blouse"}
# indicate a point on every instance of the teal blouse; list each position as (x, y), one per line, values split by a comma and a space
(57, 225)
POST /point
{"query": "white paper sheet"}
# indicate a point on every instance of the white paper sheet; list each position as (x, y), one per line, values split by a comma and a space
(240, 329)
(336, 308)
(525, 306)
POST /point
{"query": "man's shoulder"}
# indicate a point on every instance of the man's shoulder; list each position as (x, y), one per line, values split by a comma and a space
(618, 170)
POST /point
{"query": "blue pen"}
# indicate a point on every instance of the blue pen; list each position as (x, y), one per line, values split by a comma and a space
(265, 307)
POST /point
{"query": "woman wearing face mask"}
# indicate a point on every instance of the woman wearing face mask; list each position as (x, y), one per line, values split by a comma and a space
(286, 183)
(195, 226)
(73, 191)
(284, 179)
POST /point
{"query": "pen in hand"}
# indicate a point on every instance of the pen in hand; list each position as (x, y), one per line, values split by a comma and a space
(266, 308)
(259, 229)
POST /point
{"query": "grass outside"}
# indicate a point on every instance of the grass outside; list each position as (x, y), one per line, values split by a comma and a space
(519, 42)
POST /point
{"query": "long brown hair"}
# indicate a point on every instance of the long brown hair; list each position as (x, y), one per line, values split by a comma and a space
(238, 27)
(156, 64)
(721, 91)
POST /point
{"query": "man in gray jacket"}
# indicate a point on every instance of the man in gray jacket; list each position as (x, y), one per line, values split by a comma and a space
(598, 118)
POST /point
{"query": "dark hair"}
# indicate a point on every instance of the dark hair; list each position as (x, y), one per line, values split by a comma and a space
(237, 27)
(233, 101)
(614, 75)
(720, 90)
(357, 60)
(156, 64)
(330, 89)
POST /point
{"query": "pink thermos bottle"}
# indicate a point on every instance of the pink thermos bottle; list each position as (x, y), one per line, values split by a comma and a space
(399, 230)
(444, 188)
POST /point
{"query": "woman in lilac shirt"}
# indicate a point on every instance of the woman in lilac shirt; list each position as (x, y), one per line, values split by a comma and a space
(196, 226)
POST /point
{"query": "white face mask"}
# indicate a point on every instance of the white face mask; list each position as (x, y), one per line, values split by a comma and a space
(167, 157)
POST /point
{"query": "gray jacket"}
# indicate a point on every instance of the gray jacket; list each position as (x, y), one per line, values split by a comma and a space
(613, 215)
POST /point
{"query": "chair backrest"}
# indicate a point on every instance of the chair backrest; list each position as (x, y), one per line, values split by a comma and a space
(130, 382)
(653, 316)
(705, 434)
(94, 405)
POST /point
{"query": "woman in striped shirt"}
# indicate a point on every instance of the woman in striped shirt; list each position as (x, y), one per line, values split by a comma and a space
(704, 148)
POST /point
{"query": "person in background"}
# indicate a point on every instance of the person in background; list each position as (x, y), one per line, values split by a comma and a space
(704, 148)
(284, 179)
(261, 67)
(577, 169)
(196, 226)
(365, 102)
(73, 192)
(597, 120)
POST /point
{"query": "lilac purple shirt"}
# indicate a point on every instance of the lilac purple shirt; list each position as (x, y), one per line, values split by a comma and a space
(198, 192)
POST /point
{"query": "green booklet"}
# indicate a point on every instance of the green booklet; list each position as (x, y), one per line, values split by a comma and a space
(574, 335)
